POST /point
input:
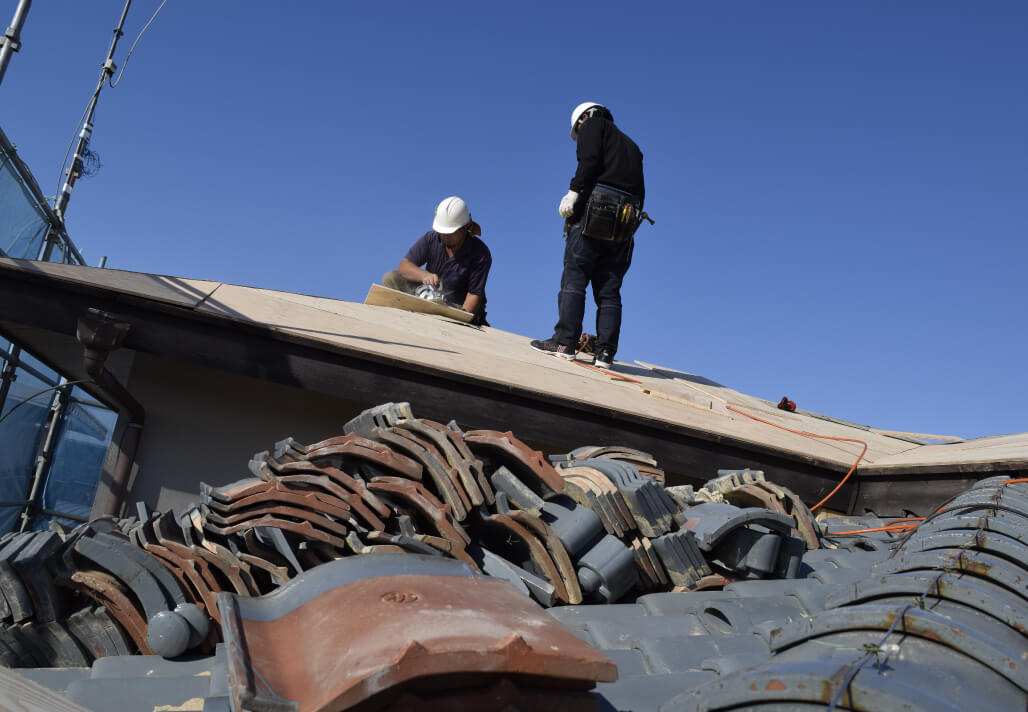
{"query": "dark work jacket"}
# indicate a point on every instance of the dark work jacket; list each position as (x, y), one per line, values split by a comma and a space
(463, 274)
(606, 155)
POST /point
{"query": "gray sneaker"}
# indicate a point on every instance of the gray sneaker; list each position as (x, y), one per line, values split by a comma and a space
(549, 346)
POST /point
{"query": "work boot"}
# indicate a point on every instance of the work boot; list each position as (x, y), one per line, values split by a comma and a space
(604, 358)
(549, 346)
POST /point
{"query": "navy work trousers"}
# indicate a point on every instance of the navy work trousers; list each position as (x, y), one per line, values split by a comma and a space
(604, 264)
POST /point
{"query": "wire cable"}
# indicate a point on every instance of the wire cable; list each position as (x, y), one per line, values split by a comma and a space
(114, 82)
(74, 135)
(93, 97)
(606, 372)
(893, 529)
(812, 435)
(45, 390)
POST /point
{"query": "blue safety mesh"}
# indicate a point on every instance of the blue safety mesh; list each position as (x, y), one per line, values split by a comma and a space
(77, 462)
(23, 225)
(20, 433)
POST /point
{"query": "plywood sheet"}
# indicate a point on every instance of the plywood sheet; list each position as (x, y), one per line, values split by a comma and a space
(505, 359)
(1011, 449)
(452, 348)
(385, 297)
(173, 290)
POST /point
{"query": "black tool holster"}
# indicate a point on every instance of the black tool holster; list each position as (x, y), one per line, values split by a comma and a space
(611, 214)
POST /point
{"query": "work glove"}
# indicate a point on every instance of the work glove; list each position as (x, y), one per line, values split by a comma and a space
(567, 204)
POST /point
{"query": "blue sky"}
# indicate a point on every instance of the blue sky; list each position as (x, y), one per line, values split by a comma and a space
(840, 188)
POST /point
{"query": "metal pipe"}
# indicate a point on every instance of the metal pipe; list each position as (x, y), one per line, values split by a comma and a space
(10, 42)
(13, 356)
(75, 170)
(7, 375)
(101, 333)
(56, 224)
(57, 407)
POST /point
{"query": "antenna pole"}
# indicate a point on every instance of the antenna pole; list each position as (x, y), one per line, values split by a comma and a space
(74, 171)
(10, 41)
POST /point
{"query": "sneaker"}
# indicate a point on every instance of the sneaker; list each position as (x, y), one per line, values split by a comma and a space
(549, 346)
(604, 358)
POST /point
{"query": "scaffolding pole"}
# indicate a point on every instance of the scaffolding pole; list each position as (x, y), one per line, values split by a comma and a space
(75, 170)
(10, 42)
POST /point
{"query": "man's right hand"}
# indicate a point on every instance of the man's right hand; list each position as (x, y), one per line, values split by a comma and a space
(430, 279)
(567, 204)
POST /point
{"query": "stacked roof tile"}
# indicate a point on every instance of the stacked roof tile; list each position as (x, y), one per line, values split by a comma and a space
(404, 563)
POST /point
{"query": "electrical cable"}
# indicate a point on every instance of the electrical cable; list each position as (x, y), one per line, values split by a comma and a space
(894, 529)
(899, 527)
(813, 435)
(124, 64)
(74, 135)
(905, 519)
(45, 390)
(606, 372)
(94, 96)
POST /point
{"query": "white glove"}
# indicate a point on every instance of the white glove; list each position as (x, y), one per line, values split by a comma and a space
(567, 204)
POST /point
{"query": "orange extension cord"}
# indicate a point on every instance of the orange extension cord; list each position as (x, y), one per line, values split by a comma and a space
(812, 435)
(898, 526)
(612, 374)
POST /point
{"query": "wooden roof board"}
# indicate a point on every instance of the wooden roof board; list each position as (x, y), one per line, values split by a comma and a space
(386, 297)
(172, 290)
(505, 360)
(489, 355)
(997, 448)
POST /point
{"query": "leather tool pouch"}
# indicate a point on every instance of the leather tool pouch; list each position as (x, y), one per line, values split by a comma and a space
(611, 214)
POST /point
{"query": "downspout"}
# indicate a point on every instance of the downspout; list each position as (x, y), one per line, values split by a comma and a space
(100, 333)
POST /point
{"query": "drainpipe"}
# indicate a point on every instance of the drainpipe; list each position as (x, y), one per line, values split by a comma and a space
(101, 333)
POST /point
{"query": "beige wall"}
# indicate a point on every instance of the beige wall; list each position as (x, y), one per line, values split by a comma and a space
(203, 425)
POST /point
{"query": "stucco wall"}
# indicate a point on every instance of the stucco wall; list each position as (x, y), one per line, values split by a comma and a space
(203, 425)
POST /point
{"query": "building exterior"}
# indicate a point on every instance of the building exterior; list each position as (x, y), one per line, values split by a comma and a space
(54, 436)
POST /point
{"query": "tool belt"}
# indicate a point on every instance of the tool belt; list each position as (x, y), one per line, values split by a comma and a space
(611, 214)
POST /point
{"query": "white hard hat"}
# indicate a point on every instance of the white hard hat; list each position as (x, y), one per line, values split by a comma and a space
(451, 215)
(576, 114)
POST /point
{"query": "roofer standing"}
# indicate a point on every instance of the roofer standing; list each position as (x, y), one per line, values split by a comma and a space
(455, 260)
(602, 210)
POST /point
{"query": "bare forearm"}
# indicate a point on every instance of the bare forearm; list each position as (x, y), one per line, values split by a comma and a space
(409, 270)
(472, 302)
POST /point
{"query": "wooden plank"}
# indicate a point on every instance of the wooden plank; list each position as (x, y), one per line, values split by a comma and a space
(919, 436)
(173, 290)
(385, 297)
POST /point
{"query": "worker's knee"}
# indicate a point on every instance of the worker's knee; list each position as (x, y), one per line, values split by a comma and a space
(607, 293)
(394, 280)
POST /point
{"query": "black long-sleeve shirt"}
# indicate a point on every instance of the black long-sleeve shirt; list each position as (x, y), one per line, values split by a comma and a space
(606, 155)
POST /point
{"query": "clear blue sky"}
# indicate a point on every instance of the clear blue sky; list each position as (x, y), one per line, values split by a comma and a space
(840, 188)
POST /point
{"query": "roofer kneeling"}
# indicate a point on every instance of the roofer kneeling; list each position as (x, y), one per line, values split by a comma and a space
(451, 258)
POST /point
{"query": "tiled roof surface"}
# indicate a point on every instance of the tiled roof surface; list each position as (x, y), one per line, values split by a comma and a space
(440, 569)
